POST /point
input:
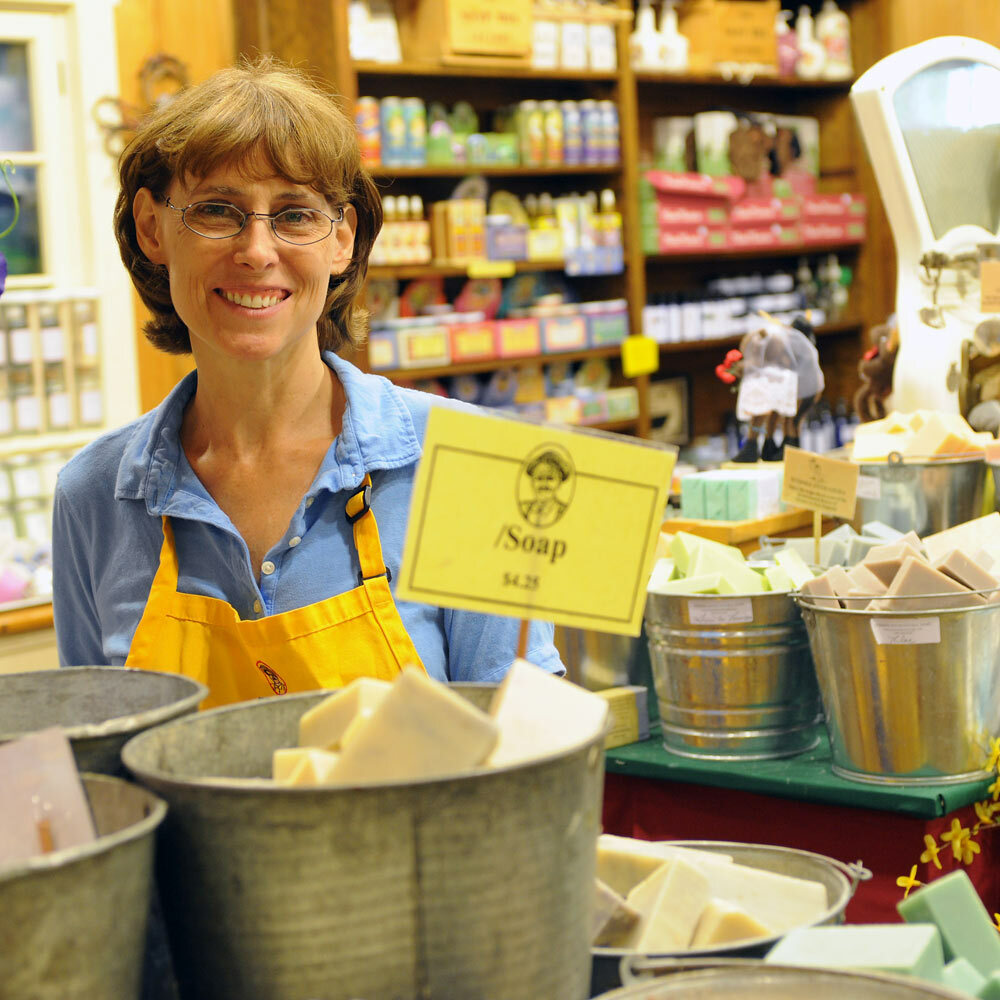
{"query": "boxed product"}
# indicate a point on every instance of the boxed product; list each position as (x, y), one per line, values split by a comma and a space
(825, 231)
(699, 240)
(607, 322)
(764, 211)
(518, 338)
(475, 341)
(679, 212)
(834, 207)
(564, 333)
(762, 237)
(505, 239)
(424, 346)
(382, 350)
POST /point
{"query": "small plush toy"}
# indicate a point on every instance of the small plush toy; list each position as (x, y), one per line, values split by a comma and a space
(875, 370)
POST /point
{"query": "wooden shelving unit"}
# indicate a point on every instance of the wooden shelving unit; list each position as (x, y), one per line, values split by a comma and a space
(479, 72)
(494, 170)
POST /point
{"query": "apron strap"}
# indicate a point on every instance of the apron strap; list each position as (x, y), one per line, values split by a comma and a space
(359, 514)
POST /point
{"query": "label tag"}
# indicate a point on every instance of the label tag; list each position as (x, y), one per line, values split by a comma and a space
(768, 390)
(820, 483)
(906, 631)
(640, 356)
(989, 286)
(869, 487)
(719, 610)
(490, 269)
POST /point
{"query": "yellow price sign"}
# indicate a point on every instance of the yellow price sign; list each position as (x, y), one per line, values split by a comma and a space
(640, 356)
(490, 269)
(818, 483)
(515, 518)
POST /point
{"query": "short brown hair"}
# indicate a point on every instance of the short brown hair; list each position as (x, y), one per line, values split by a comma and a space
(262, 109)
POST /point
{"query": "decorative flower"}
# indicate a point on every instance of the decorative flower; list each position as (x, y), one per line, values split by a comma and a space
(994, 757)
(930, 856)
(957, 836)
(970, 848)
(907, 882)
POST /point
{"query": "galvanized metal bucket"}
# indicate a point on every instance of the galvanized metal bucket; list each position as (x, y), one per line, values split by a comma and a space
(911, 697)
(598, 660)
(98, 708)
(733, 675)
(922, 496)
(613, 966)
(745, 979)
(73, 922)
(471, 886)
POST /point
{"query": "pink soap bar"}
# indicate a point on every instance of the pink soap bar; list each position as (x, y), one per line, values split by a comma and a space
(845, 587)
(916, 579)
(820, 592)
(865, 580)
(885, 560)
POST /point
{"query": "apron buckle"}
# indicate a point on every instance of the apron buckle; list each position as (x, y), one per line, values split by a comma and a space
(361, 576)
(365, 493)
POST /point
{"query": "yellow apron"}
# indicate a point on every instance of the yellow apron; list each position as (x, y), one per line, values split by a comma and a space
(325, 645)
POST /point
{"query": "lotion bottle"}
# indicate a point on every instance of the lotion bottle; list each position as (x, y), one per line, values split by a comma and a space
(673, 54)
(811, 55)
(645, 40)
(833, 32)
(788, 47)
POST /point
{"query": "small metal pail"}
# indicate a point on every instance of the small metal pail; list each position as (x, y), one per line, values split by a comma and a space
(745, 979)
(922, 496)
(911, 697)
(598, 660)
(613, 966)
(475, 885)
(73, 922)
(733, 675)
(98, 708)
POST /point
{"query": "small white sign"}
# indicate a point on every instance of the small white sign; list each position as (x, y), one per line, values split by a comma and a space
(906, 631)
(870, 487)
(768, 390)
(719, 610)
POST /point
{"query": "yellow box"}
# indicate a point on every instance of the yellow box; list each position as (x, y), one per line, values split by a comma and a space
(629, 709)
(466, 30)
(729, 31)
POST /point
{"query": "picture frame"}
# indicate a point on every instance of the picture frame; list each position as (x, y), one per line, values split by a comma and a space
(670, 409)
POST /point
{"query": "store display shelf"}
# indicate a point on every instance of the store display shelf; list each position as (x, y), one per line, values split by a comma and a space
(755, 83)
(841, 327)
(406, 272)
(494, 170)
(798, 250)
(54, 441)
(25, 616)
(479, 71)
(475, 367)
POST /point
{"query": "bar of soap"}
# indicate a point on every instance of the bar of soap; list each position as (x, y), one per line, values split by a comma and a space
(864, 579)
(794, 565)
(953, 905)
(858, 548)
(880, 530)
(777, 901)
(693, 496)
(707, 583)
(885, 561)
(285, 760)
(960, 975)
(324, 724)
(612, 917)
(670, 903)
(538, 714)
(314, 767)
(737, 579)
(420, 729)
(624, 862)
(968, 537)
(685, 545)
(966, 571)
(722, 922)
(990, 989)
(716, 499)
(778, 579)
(901, 949)
(664, 570)
(916, 578)
(820, 592)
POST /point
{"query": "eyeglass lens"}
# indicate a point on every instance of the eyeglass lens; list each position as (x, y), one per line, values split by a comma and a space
(295, 225)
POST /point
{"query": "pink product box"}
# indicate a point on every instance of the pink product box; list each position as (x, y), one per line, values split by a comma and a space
(677, 212)
(844, 231)
(564, 333)
(383, 351)
(834, 207)
(729, 188)
(764, 211)
(694, 240)
(762, 237)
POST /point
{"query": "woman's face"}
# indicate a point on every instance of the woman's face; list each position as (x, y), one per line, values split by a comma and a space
(251, 296)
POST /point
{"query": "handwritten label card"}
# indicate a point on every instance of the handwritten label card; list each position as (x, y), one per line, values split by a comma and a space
(906, 631)
(516, 518)
(819, 483)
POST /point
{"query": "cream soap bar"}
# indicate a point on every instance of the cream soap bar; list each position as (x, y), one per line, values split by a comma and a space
(315, 767)
(612, 918)
(953, 905)
(420, 729)
(538, 714)
(669, 902)
(820, 592)
(983, 532)
(916, 578)
(324, 724)
(902, 949)
(624, 862)
(794, 565)
(885, 561)
(966, 571)
(721, 923)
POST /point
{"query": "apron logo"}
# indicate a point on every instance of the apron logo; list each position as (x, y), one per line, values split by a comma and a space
(278, 686)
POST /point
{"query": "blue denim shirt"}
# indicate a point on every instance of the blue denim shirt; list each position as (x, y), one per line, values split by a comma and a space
(107, 533)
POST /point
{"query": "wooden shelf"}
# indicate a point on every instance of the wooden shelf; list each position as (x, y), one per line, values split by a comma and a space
(475, 367)
(405, 272)
(840, 328)
(757, 83)
(492, 170)
(799, 250)
(480, 71)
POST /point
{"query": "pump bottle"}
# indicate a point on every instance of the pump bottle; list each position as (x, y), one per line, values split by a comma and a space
(673, 54)
(644, 43)
(811, 55)
(833, 32)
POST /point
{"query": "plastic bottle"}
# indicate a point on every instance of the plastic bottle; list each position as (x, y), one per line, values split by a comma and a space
(788, 46)
(673, 49)
(833, 32)
(811, 54)
(644, 42)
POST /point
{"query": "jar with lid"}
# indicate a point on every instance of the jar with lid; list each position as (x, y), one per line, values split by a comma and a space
(26, 406)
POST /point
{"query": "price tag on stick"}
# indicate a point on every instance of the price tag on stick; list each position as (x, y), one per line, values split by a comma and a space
(516, 518)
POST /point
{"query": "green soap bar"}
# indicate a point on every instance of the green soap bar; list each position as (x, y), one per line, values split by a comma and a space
(990, 988)
(708, 583)
(693, 496)
(716, 508)
(903, 949)
(794, 565)
(959, 975)
(741, 499)
(778, 578)
(736, 579)
(685, 545)
(952, 903)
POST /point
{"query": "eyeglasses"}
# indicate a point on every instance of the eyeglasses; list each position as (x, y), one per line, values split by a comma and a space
(217, 220)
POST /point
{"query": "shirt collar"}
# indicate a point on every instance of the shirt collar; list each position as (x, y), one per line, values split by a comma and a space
(377, 433)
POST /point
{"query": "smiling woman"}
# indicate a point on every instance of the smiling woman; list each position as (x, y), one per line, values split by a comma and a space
(245, 532)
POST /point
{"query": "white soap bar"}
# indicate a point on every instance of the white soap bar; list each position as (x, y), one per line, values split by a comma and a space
(420, 729)
(670, 903)
(777, 901)
(624, 862)
(845, 588)
(540, 714)
(972, 535)
(612, 917)
(324, 724)
(881, 531)
(664, 570)
(794, 565)
(722, 922)
(285, 760)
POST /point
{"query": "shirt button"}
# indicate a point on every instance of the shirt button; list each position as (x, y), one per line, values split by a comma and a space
(257, 607)
(267, 567)
(294, 541)
(309, 501)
